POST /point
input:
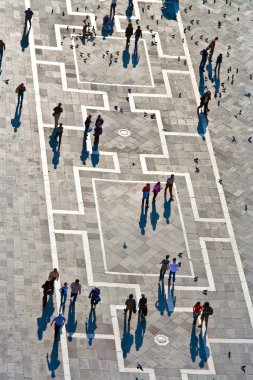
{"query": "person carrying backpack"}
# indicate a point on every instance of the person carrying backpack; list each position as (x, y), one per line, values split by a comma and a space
(94, 297)
(206, 312)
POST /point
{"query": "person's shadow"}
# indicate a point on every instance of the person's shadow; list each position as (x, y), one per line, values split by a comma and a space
(95, 156)
(108, 28)
(209, 69)
(24, 43)
(161, 304)
(170, 9)
(216, 83)
(84, 154)
(194, 349)
(127, 339)
(171, 300)
(72, 322)
(139, 333)
(53, 143)
(201, 83)
(15, 122)
(125, 57)
(167, 209)
(54, 362)
(47, 313)
(135, 58)
(202, 125)
(143, 219)
(91, 326)
(154, 216)
(203, 349)
(129, 10)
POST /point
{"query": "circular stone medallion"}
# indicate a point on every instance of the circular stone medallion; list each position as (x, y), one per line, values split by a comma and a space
(124, 132)
(162, 340)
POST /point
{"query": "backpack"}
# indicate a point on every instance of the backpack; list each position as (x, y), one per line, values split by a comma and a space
(209, 311)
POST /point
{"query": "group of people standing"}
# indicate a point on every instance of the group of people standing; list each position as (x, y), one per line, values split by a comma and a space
(156, 190)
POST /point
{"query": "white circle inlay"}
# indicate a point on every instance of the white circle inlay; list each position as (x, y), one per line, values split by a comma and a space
(162, 340)
(124, 132)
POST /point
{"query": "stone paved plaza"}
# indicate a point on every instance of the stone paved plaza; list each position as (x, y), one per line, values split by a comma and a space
(78, 208)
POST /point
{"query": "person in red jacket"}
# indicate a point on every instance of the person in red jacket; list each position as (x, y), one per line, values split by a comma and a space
(197, 309)
(145, 192)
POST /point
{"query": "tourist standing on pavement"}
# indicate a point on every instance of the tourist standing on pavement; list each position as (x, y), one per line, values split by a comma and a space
(197, 309)
(59, 322)
(145, 194)
(88, 126)
(204, 54)
(169, 185)
(52, 277)
(130, 306)
(59, 132)
(94, 297)
(128, 33)
(138, 35)
(164, 266)
(75, 289)
(156, 189)
(20, 91)
(57, 113)
(98, 130)
(204, 100)
(174, 268)
(64, 293)
(28, 17)
(218, 63)
(206, 312)
(211, 47)
(143, 307)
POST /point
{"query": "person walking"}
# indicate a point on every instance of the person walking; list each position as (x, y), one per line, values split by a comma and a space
(138, 35)
(218, 63)
(164, 266)
(113, 7)
(204, 100)
(52, 277)
(211, 47)
(88, 126)
(59, 322)
(28, 17)
(64, 293)
(204, 54)
(2, 48)
(98, 130)
(75, 289)
(47, 287)
(59, 132)
(130, 306)
(20, 91)
(174, 268)
(94, 297)
(128, 33)
(206, 312)
(145, 194)
(57, 113)
(169, 185)
(143, 308)
(196, 311)
(156, 189)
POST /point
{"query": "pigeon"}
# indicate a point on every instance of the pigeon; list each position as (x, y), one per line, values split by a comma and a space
(74, 29)
(173, 36)
(52, 11)
(190, 7)
(220, 181)
(180, 95)
(185, 62)
(249, 139)
(6, 81)
(67, 27)
(77, 9)
(116, 108)
(205, 292)
(145, 114)
(94, 43)
(63, 14)
(243, 368)
(195, 279)
(124, 245)
(178, 58)
(98, 6)
(129, 90)
(233, 139)
(133, 164)
(196, 160)
(248, 94)
(152, 116)
(139, 366)
(245, 208)
(229, 354)
(197, 170)
(121, 110)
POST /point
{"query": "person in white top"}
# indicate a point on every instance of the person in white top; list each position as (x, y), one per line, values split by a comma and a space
(174, 267)
(113, 7)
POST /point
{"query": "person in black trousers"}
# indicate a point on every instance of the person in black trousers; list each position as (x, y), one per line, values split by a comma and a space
(98, 129)
(128, 33)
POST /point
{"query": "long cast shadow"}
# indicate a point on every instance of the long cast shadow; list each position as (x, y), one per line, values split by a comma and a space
(167, 209)
(84, 154)
(154, 216)
(24, 43)
(170, 9)
(209, 69)
(91, 326)
(139, 333)
(54, 362)
(202, 125)
(204, 352)
(135, 57)
(202, 85)
(125, 57)
(107, 27)
(127, 339)
(161, 304)
(171, 300)
(15, 122)
(72, 322)
(47, 313)
(129, 10)
(194, 349)
(143, 219)
(95, 155)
